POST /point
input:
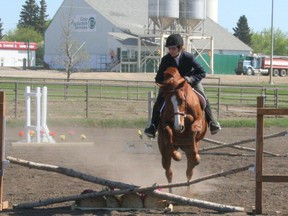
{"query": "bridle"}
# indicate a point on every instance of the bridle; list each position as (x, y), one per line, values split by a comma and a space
(184, 114)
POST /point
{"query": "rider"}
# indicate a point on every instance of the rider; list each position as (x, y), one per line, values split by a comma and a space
(190, 70)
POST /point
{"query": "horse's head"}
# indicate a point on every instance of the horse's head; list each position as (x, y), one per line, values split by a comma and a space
(172, 79)
(174, 91)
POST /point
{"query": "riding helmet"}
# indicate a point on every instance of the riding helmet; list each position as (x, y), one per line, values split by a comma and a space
(174, 40)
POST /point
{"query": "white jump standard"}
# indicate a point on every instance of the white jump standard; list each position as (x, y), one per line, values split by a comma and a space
(40, 127)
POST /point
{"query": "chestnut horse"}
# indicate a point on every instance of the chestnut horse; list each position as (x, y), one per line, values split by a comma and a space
(182, 123)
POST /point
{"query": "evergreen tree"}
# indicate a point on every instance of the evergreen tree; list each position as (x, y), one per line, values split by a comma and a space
(29, 16)
(1, 30)
(42, 17)
(242, 31)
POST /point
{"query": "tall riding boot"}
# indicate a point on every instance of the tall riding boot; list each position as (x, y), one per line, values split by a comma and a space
(151, 130)
(212, 123)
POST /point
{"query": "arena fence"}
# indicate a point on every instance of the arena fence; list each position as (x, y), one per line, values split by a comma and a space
(110, 99)
(260, 177)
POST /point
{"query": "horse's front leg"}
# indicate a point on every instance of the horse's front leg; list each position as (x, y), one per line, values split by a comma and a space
(191, 163)
(193, 157)
(173, 151)
(196, 129)
(167, 154)
(166, 164)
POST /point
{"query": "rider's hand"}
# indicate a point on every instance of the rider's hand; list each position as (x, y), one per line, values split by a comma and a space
(189, 79)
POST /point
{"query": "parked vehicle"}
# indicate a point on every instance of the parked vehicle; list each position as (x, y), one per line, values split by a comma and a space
(252, 65)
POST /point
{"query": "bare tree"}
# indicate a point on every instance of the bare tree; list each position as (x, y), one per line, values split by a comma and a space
(73, 52)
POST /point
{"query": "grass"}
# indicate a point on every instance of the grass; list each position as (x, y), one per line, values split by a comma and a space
(89, 123)
(251, 122)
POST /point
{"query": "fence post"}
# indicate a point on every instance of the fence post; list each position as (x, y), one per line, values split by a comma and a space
(87, 99)
(3, 205)
(219, 96)
(151, 100)
(259, 155)
(16, 100)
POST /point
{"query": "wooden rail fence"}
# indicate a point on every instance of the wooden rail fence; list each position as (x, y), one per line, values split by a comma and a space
(260, 177)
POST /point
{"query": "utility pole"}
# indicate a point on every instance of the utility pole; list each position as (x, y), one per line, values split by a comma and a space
(272, 43)
(28, 53)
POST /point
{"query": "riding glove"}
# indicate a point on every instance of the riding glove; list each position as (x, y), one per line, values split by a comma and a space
(190, 80)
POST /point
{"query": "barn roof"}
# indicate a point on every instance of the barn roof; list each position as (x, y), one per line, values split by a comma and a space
(223, 40)
(131, 16)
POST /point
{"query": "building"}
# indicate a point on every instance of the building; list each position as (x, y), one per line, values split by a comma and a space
(17, 54)
(128, 35)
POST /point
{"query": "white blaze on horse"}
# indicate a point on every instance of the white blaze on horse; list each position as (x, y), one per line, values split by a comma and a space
(182, 123)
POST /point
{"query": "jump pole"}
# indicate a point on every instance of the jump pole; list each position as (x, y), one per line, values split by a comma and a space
(3, 204)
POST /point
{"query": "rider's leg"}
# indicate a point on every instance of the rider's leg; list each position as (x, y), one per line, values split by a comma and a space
(212, 123)
(151, 130)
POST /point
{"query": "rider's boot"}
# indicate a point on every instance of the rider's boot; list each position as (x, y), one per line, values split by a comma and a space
(212, 123)
(151, 130)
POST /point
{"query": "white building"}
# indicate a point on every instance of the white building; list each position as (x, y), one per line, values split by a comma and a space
(15, 54)
(113, 32)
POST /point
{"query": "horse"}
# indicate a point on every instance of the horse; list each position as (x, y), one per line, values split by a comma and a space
(182, 123)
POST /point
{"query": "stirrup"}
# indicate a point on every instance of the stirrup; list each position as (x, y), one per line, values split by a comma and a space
(214, 129)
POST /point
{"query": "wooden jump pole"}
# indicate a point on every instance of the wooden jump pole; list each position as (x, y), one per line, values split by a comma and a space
(260, 178)
(3, 204)
(126, 188)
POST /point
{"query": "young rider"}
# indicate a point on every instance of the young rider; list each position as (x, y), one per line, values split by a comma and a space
(190, 70)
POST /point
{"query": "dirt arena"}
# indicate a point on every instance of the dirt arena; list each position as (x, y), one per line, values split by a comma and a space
(112, 157)
(120, 155)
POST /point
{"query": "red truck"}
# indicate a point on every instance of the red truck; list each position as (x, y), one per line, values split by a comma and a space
(252, 65)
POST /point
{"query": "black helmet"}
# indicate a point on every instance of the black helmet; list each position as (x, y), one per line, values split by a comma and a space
(174, 40)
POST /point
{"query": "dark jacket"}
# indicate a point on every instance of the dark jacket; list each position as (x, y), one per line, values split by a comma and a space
(188, 66)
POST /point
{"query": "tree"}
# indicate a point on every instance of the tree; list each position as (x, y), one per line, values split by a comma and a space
(29, 16)
(42, 17)
(24, 34)
(73, 50)
(261, 42)
(242, 31)
(1, 30)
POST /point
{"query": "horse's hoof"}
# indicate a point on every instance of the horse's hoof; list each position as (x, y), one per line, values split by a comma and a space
(176, 155)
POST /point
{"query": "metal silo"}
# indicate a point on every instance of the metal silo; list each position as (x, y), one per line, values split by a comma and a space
(192, 12)
(212, 9)
(163, 12)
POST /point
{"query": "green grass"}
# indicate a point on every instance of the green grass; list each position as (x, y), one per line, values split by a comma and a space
(109, 123)
(251, 122)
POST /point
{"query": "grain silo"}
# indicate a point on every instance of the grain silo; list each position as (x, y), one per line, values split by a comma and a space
(163, 12)
(212, 10)
(191, 13)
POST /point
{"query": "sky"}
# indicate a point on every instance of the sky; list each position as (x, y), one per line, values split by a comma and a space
(257, 12)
